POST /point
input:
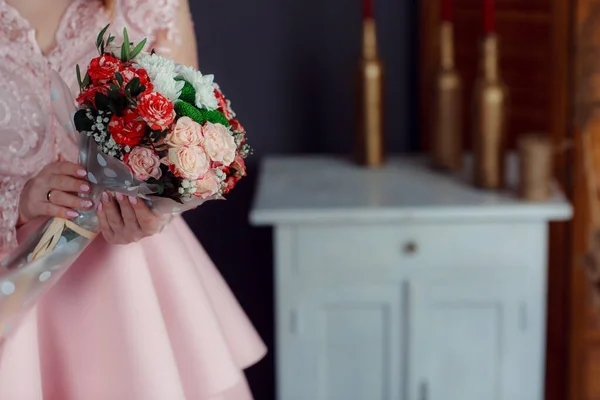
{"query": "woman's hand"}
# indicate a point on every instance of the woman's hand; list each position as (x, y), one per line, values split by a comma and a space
(53, 192)
(126, 219)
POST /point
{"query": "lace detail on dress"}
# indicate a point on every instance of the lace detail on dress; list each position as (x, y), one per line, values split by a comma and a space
(151, 16)
(10, 189)
(76, 35)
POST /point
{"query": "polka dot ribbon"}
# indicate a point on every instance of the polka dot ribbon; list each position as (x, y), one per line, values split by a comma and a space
(53, 234)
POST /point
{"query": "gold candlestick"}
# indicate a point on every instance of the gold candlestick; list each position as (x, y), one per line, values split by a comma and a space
(490, 106)
(369, 143)
(446, 146)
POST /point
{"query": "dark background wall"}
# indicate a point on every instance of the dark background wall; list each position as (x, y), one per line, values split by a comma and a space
(289, 66)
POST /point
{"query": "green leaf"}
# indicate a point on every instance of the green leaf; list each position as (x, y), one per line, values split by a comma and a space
(114, 88)
(132, 83)
(87, 79)
(136, 89)
(78, 71)
(126, 45)
(123, 55)
(101, 35)
(119, 78)
(117, 102)
(82, 122)
(101, 101)
(138, 49)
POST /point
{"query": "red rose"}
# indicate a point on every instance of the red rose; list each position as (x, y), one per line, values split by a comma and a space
(236, 126)
(235, 172)
(129, 73)
(223, 104)
(89, 94)
(128, 129)
(103, 68)
(156, 110)
(239, 165)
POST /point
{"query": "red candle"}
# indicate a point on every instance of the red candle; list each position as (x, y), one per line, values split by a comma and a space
(367, 9)
(489, 22)
(447, 10)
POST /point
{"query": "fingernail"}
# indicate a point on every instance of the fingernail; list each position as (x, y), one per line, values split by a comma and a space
(81, 172)
(105, 197)
(133, 200)
(84, 188)
(72, 214)
(100, 206)
(119, 196)
(86, 203)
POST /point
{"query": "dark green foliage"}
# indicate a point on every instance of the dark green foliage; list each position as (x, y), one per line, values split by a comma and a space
(183, 108)
(82, 122)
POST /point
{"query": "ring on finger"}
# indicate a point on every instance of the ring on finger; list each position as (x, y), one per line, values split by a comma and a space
(49, 195)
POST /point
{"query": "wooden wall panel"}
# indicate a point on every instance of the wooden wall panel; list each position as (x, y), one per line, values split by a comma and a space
(524, 28)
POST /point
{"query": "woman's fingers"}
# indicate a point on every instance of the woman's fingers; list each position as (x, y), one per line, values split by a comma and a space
(68, 200)
(113, 214)
(126, 219)
(131, 227)
(148, 221)
(67, 168)
(107, 231)
(52, 210)
(67, 183)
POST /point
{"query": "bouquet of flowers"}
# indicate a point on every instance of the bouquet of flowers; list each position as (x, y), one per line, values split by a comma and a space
(146, 127)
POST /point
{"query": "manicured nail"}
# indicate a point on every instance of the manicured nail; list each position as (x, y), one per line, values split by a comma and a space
(105, 197)
(119, 196)
(81, 172)
(100, 206)
(133, 200)
(84, 188)
(72, 214)
(86, 204)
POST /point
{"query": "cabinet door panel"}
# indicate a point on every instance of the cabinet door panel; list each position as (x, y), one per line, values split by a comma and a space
(348, 345)
(467, 342)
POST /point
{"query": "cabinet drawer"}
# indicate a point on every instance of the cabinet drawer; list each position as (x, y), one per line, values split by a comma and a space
(421, 245)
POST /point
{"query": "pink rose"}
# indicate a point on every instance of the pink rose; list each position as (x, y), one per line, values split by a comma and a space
(219, 143)
(144, 163)
(186, 132)
(208, 186)
(188, 162)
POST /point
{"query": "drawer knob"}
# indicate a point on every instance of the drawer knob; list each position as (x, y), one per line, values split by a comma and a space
(410, 248)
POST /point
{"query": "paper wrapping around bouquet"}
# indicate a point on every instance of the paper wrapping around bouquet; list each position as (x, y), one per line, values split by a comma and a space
(28, 272)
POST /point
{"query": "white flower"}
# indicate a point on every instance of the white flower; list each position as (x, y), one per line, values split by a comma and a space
(203, 85)
(162, 74)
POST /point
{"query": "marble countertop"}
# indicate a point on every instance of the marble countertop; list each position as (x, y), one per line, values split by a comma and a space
(326, 189)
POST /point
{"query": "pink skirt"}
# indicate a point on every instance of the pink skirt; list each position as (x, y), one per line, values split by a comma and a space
(148, 321)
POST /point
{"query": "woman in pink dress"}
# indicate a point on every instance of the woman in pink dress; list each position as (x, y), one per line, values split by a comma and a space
(143, 314)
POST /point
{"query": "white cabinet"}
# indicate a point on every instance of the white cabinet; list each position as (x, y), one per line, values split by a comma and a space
(401, 284)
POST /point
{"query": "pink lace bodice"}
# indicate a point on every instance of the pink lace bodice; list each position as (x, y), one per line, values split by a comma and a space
(29, 136)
